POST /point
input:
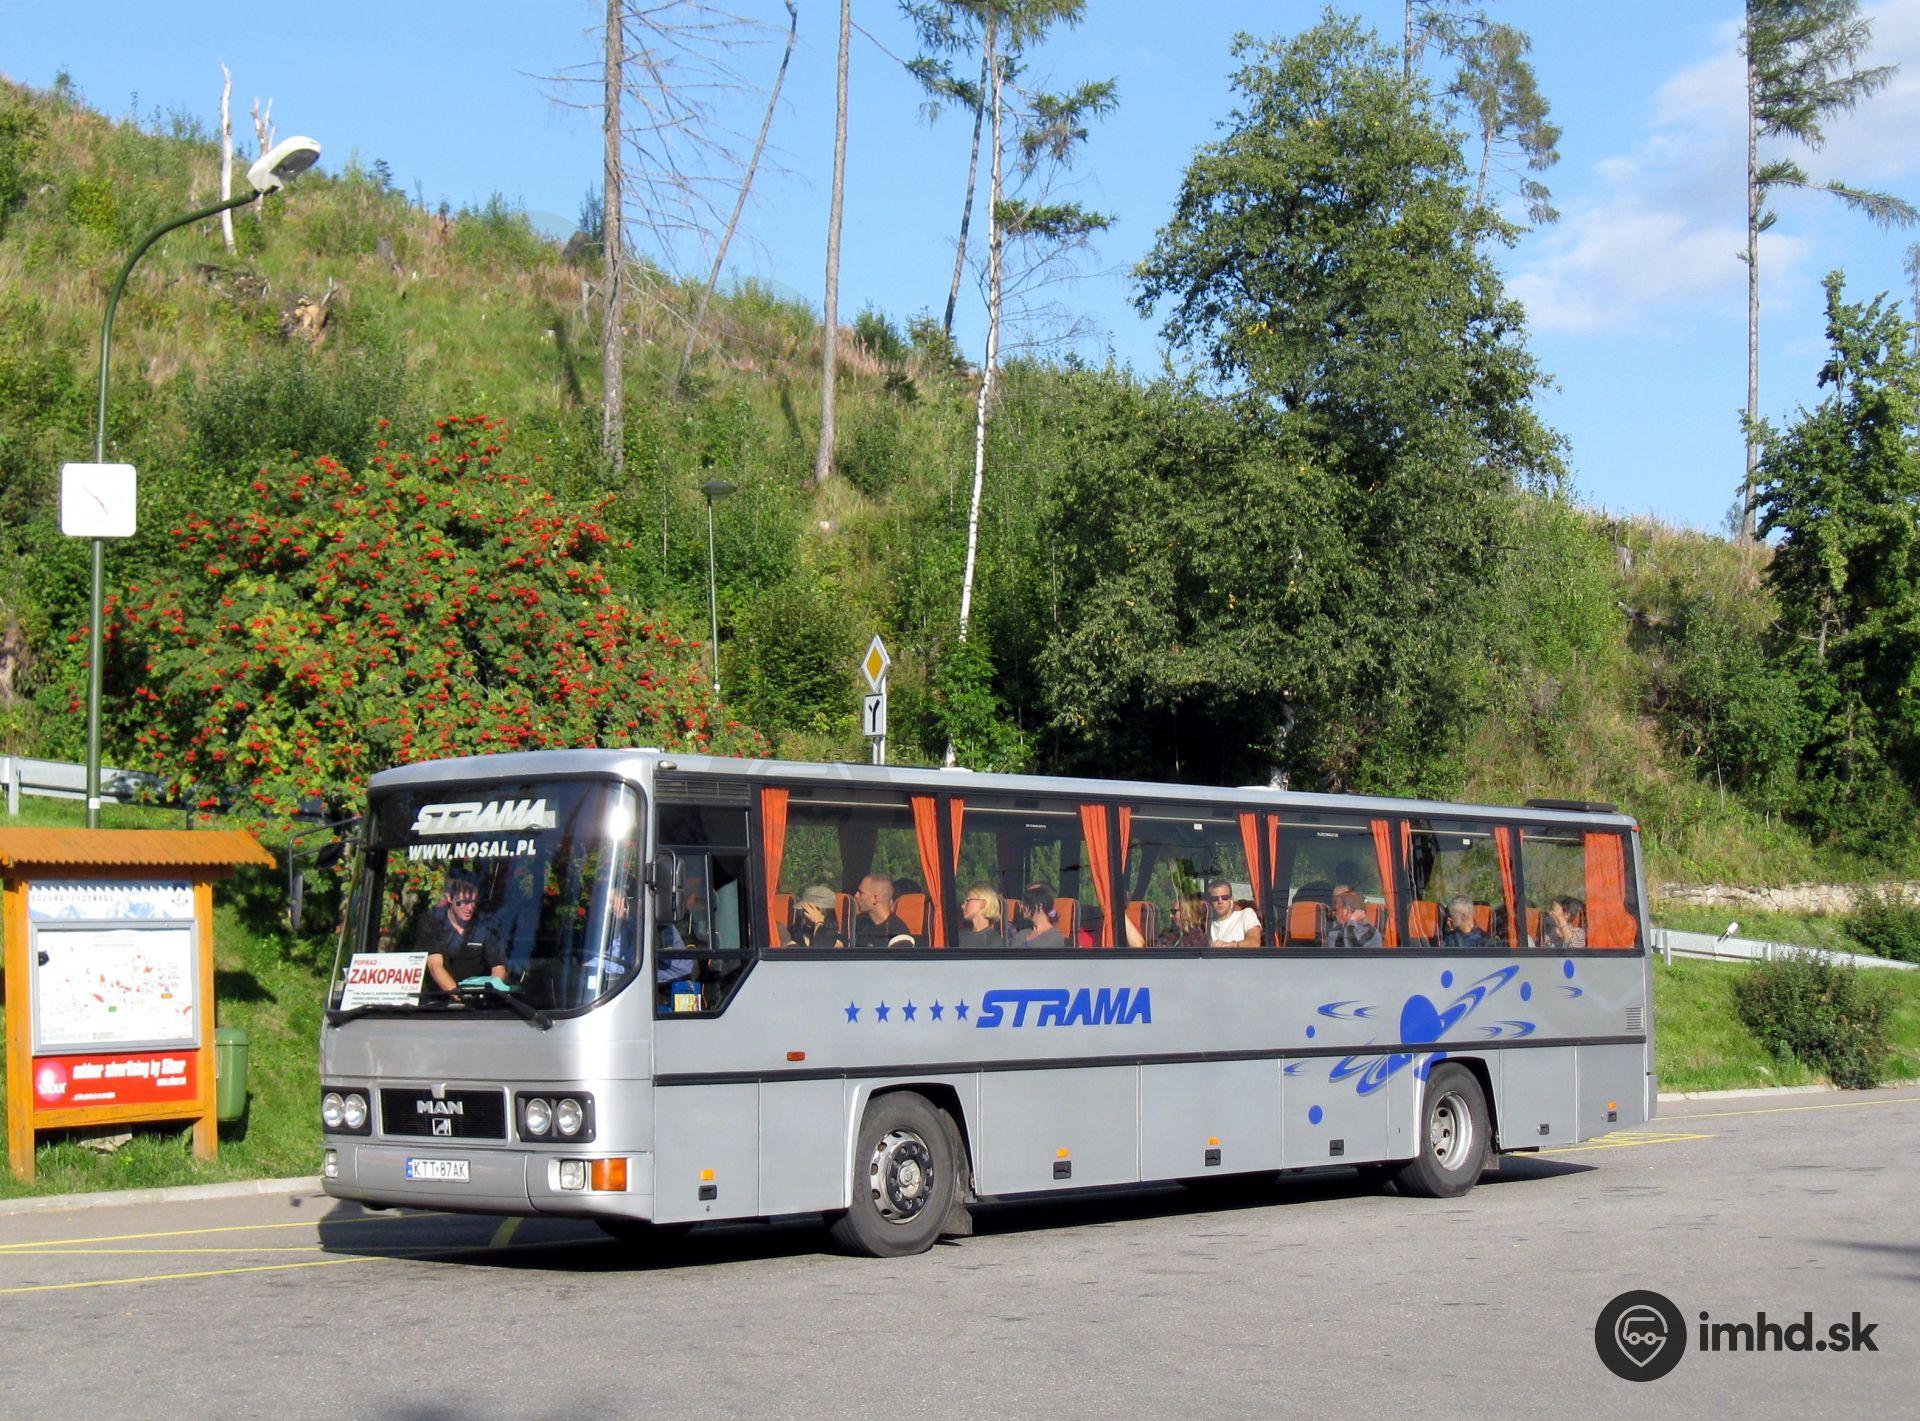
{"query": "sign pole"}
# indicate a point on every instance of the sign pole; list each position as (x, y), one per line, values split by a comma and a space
(873, 711)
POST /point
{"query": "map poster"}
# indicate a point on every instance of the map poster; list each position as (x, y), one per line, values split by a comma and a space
(104, 986)
(144, 1078)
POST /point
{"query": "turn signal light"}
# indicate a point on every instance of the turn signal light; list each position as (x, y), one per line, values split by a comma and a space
(609, 1175)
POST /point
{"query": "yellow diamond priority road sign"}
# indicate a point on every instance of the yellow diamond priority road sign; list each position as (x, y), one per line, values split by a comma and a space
(875, 663)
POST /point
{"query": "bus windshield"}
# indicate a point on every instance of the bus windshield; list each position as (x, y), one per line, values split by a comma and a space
(526, 889)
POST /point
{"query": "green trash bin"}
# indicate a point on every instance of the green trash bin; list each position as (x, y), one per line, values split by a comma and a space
(230, 1048)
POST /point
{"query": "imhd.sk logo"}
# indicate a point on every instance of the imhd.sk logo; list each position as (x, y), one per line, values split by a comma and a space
(1640, 1336)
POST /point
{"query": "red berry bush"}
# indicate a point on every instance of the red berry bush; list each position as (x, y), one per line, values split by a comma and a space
(434, 603)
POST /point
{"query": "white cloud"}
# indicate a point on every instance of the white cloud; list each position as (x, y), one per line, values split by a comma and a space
(1655, 242)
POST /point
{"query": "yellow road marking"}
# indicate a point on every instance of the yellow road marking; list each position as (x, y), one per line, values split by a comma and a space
(225, 1229)
(106, 1252)
(398, 1254)
(203, 1273)
(1791, 1109)
(1626, 1142)
(503, 1234)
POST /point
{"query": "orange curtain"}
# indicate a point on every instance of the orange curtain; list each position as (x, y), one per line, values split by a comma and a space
(1250, 841)
(1093, 829)
(773, 848)
(956, 813)
(1609, 922)
(1503, 845)
(926, 831)
(1383, 851)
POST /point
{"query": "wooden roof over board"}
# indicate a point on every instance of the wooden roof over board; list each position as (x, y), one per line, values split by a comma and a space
(130, 848)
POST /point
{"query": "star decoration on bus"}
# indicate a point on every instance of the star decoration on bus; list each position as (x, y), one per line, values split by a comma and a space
(909, 1011)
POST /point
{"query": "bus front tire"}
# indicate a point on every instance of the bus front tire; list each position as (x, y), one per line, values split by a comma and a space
(904, 1179)
(1453, 1137)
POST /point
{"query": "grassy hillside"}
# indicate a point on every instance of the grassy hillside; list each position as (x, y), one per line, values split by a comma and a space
(1583, 692)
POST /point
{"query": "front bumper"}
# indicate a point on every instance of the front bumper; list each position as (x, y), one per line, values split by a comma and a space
(501, 1181)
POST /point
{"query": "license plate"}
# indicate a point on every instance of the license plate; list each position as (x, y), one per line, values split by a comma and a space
(444, 1171)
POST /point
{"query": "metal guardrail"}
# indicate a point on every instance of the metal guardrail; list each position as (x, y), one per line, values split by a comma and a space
(55, 779)
(1674, 943)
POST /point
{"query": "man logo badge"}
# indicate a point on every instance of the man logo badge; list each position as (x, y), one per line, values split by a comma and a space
(1640, 1336)
(442, 1126)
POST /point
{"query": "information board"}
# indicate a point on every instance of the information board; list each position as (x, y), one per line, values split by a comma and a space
(115, 965)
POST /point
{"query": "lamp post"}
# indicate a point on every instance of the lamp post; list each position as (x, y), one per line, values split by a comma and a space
(715, 490)
(273, 171)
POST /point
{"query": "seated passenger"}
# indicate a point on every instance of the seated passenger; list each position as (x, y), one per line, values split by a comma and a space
(813, 919)
(980, 916)
(1042, 912)
(1351, 925)
(1561, 927)
(1461, 930)
(445, 936)
(1186, 925)
(875, 924)
(1230, 925)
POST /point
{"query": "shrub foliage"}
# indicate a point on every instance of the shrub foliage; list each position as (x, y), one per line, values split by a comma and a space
(433, 603)
(1822, 1012)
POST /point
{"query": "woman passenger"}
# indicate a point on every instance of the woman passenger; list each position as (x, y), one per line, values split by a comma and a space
(1562, 928)
(982, 915)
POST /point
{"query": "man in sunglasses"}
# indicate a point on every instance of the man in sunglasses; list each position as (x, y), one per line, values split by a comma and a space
(452, 955)
(1228, 925)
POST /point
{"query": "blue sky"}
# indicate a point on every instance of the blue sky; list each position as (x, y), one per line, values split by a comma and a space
(1636, 300)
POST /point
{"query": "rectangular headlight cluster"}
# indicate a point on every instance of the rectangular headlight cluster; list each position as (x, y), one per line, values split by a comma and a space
(602, 1176)
(344, 1110)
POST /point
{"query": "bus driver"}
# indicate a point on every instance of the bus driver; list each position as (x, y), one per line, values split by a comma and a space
(451, 956)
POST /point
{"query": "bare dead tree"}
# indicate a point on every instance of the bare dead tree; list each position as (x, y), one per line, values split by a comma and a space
(659, 83)
(226, 153)
(746, 186)
(613, 422)
(263, 136)
(823, 456)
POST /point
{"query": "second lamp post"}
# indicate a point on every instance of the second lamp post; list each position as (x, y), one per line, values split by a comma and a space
(715, 490)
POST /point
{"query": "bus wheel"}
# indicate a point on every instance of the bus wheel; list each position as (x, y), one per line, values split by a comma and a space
(903, 1179)
(1452, 1139)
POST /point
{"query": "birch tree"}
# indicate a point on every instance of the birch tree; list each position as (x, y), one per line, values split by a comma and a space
(1803, 67)
(226, 154)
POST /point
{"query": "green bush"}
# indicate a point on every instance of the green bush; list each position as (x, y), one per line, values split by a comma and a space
(91, 204)
(1820, 1012)
(1886, 922)
(20, 131)
(871, 456)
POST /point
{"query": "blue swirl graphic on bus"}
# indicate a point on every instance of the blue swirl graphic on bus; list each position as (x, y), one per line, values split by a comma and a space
(1338, 1010)
(1421, 1024)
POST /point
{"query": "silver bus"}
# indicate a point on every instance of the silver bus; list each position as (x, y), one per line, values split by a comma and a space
(654, 989)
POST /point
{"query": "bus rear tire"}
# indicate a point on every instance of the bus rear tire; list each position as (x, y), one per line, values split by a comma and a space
(904, 1179)
(1452, 1139)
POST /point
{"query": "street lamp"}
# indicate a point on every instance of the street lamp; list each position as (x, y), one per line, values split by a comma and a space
(273, 171)
(715, 490)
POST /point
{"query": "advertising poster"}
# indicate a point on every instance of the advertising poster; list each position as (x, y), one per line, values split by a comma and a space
(140, 1078)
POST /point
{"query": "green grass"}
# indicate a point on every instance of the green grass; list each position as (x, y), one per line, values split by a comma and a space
(1701, 1044)
(266, 983)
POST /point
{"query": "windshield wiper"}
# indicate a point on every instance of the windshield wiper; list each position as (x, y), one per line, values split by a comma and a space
(475, 996)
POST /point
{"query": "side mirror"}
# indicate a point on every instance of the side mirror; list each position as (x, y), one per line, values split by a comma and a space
(296, 896)
(666, 877)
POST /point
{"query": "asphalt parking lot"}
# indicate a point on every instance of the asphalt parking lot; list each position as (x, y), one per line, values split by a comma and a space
(1312, 1295)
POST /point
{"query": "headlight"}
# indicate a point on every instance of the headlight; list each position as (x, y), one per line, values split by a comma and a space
(568, 1116)
(332, 1110)
(353, 1110)
(537, 1116)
